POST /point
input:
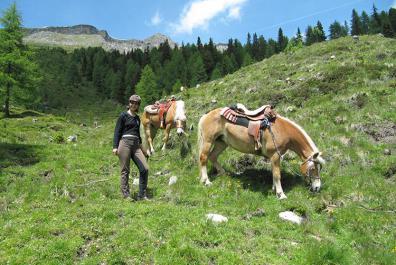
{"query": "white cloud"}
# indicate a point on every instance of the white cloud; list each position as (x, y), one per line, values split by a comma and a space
(199, 13)
(156, 19)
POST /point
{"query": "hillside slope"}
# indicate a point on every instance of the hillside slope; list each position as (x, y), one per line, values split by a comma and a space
(60, 202)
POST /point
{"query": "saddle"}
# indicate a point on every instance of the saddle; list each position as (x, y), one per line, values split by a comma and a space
(254, 120)
(160, 108)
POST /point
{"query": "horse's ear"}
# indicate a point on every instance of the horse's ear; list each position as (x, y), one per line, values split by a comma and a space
(272, 106)
(315, 156)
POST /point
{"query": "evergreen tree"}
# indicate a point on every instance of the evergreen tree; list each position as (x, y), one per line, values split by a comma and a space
(392, 18)
(255, 48)
(18, 74)
(196, 67)
(335, 30)
(282, 40)
(375, 22)
(356, 24)
(117, 87)
(131, 77)
(320, 34)
(299, 36)
(248, 46)
(365, 23)
(262, 48)
(386, 28)
(271, 47)
(309, 36)
(345, 29)
(147, 87)
(199, 44)
(217, 72)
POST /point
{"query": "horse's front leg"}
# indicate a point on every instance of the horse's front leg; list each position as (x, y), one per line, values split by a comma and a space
(166, 136)
(276, 176)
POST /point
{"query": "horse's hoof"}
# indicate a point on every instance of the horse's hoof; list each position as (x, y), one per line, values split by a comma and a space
(208, 183)
(281, 196)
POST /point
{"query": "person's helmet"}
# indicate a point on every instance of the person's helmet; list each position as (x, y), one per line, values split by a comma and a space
(135, 98)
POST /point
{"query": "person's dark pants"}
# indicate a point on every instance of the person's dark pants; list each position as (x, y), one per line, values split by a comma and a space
(129, 149)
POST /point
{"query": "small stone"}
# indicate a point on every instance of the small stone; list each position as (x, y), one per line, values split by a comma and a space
(172, 180)
(292, 217)
(72, 138)
(214, 101)
(290, 109)
(34, 120)
(216, 218)
(355, 37)
(332, 57)
(387, 152)
(135, 182)
(181, 88)
(198, 85)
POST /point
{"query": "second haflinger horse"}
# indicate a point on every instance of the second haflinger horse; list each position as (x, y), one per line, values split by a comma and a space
(243, 131)
(165, 115)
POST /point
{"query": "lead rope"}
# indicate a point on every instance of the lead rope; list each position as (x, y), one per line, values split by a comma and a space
(273, 141)
(278, 152)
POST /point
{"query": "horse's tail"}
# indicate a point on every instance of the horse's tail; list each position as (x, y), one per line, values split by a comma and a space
(200, 135)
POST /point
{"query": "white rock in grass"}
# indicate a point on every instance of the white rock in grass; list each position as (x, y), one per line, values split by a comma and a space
(135, 182)
(292, 217)
(172, 180)
(216, 218)
(72, 138)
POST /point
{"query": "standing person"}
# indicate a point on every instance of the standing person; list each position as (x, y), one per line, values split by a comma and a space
(127, 145)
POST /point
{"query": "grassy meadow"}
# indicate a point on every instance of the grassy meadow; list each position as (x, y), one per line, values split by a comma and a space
(60, 201)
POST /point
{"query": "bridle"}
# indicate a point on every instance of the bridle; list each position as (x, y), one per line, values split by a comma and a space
(312, 167)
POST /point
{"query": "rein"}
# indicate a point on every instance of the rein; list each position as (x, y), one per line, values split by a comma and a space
(309, 159)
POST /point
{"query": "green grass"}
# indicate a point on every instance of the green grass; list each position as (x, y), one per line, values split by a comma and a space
(60, 202)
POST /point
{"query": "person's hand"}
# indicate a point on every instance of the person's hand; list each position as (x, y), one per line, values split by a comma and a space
(115, 152)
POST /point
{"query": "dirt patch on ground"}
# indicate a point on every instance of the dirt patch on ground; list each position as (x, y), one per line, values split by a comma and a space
(382, 132)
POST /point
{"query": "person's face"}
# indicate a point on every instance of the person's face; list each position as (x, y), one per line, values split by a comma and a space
(133, 105)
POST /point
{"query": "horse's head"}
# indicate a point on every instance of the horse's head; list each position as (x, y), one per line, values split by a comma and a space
(180, 117)
(311, 168)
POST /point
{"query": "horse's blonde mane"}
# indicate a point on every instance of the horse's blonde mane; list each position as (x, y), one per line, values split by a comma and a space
(180, 112)
(304, 133)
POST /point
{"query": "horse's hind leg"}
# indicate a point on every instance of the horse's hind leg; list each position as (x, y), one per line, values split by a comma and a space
(203, 162)
(218, 148)
(150, 133)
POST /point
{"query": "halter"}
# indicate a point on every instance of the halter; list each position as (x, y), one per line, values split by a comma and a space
(309, 169)
(179, 124)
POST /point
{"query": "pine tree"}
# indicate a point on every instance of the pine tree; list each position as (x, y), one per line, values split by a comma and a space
(248, 46)
(345, 29)
(299, 36)
(282, 40)
(18, 74)
(197, 72)
(335, 30)
(356, 23)
(392, 18)
(255, 48)
(309, 36)
(147, 87)
(365, 23)
(262, 48)
(375, 22)
(320, 34)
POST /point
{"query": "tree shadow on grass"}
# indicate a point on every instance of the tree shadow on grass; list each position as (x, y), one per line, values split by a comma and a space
(18, 155)
(26, 113)
(260, 180)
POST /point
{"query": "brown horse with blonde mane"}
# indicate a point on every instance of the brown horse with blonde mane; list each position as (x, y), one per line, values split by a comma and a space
(215, 134)
(174, 117)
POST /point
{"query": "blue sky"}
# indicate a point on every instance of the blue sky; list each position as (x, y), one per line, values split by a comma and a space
(184, 21)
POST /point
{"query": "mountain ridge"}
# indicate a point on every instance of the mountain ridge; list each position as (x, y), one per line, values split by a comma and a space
(89, 36)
